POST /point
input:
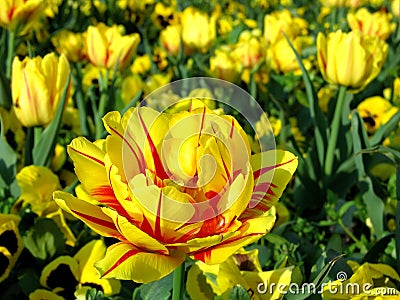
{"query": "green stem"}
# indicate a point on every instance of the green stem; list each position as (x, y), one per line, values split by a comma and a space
(330, 154)
(179, 276)
(29, 143)
(103, 85)
(80, 101)
(10, 53)
(349, 233)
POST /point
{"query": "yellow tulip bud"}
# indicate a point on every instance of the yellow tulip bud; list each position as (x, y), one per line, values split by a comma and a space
(19, 15)
(373, 24)
(37, 85)
(396, 8)
(350, 59)
(224, 66)
(171, 40)
(106, 46)
(198, 29)
(72, 45)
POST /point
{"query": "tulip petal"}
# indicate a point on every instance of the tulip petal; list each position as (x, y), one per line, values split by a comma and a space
(126, 262)
(91, 214)
(250, 231)
(272, 171)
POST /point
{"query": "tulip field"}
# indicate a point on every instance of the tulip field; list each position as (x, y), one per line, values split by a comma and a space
(175, 149)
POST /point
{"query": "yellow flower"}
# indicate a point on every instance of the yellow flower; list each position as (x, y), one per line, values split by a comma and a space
(368, 280)
(185, 191)
(37, 186)
(375, 112)
(363, 61)
(155, 81)
(396, 92)
(163, 15)
(37, 85)
(20, 15)
(279, 22)
(130, 87)
(373, 24)
(343, 3)
(59, 158)
(171, 40)
(72, 45)
(198, 29)
(325, 94)
(242, 268)
(396, 8)
(11, 244)
(249, 50)
(106, 46)
(141, 64)
(282, 57)
(78, 273)
(12, 128)
(223, 65)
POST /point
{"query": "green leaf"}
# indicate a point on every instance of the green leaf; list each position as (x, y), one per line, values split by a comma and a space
(305, 293)
(43, 151)
(318, 118)
(5, 91)
(44, 239)
(238, 293)
(376, 251)
(159, 290)
(8, 160)
(374, 205)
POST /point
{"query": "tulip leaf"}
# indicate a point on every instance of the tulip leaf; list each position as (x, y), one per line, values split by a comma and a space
(159, 289)
(318, 118)
(373, 254)
(8, 161)
(44, 239)
(5, 91)
(238, 293)
(44, 149)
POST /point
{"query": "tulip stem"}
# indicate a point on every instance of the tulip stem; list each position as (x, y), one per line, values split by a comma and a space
(179, 277)
(10, 53)
(79, 99)
(103, 86)
(330, 154)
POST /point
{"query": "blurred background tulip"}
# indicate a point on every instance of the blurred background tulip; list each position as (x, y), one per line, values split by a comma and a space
(106, 46)
(71, 44)
(37, 86)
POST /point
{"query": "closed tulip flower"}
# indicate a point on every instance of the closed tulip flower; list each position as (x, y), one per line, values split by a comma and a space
(190, 187)
(350, 59)
(198, 29)
(373, 24)
(249, 50)
(171, 40)
(106, 46)
(71, 44)
(19, 15)
(224, 66)
(37, 85)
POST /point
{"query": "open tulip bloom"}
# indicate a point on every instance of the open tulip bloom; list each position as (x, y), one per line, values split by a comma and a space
(172, 185)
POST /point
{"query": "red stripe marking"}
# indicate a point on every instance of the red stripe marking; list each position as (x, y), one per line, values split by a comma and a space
(157, 229)
(98, 221)
(156, 158)
(261, 171)
(232, 126)
(89, 156)
(123, 258)
(201, 125)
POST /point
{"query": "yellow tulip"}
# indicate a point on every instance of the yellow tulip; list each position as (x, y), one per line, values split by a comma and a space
(223, 65)
(344, 3)
(249, 50)
(350, 59)
(37, 85)
(183, 191)
(20, 15)
(72, 45)
(106, 46)
(373, 24)
(396, 8)
(198, 29)
(279, 22)
(171, 39)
